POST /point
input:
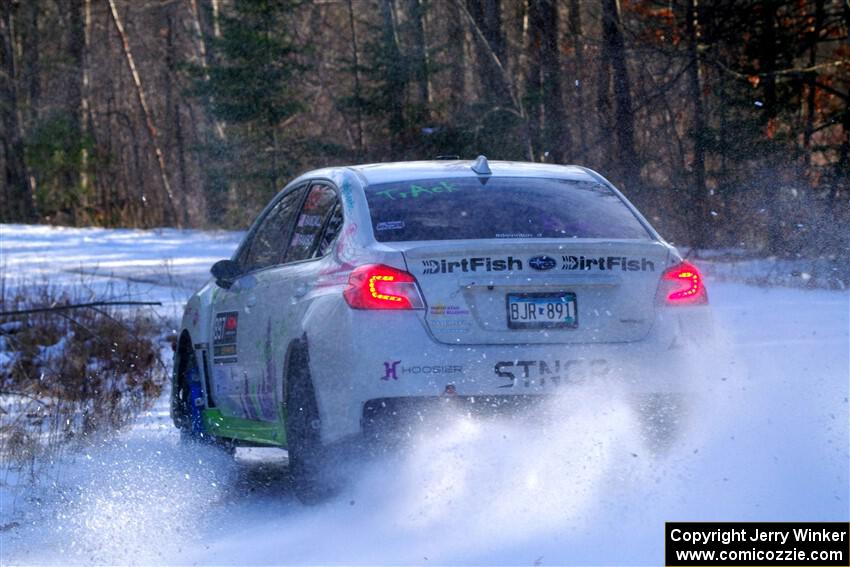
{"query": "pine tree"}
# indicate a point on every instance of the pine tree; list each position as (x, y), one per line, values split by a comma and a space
(253, 91)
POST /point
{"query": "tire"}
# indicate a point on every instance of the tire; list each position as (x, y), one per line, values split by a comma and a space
(187, 417)
(307, 455)
(181, 396)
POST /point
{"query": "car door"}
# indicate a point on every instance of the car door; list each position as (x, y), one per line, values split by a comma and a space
(279, 291)
(237, 311)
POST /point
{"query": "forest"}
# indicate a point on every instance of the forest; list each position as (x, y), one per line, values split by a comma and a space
(726, 121)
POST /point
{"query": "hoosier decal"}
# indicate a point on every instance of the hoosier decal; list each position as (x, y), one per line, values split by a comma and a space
(392, 369)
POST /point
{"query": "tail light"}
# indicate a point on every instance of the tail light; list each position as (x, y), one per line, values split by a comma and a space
(376, 286)
(683, 285)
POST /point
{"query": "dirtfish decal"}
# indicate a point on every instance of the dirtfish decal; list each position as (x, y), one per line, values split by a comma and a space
(603, 263)
(477, 264)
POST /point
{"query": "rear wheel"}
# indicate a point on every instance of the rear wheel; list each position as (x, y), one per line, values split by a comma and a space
(307, 455)
(187, 412)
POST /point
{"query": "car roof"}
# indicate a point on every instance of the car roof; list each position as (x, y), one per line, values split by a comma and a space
(377, 173)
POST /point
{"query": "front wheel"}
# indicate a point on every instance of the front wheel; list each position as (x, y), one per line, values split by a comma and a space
(307, 455)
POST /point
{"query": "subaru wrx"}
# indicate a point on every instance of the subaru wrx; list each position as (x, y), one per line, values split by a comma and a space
(363, 294)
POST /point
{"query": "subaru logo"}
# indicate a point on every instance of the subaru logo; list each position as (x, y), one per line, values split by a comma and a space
(542, 263)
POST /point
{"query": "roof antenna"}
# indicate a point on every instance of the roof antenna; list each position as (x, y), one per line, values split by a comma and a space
(481, 167)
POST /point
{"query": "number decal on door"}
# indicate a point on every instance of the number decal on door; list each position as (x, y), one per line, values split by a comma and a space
(224, 337)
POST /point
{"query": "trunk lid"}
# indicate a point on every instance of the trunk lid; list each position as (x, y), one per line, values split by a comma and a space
(466, 285)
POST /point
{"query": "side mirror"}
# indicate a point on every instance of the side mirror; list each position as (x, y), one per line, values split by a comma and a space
(225, 273)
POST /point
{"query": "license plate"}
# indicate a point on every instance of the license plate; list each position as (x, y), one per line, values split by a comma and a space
(542, 310)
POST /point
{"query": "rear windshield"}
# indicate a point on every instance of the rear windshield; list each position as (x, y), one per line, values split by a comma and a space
(499, 207)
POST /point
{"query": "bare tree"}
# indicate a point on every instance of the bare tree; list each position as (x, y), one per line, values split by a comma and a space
(532, 30)
(20, 201)
(31, 59)
(614, 55)
(500, 77)
(397, 79)
(202, 55)
(421, 66)
(355, 55)
(457, 50)
(700, 222)
(151, 128)
(556, 139)
(575, 32)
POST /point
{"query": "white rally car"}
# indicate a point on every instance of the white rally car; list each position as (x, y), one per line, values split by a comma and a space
(362, 294)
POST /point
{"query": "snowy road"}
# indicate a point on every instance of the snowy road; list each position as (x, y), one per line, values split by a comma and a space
(767, 440)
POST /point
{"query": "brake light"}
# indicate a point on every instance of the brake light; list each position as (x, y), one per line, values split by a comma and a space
(376, 286)
(684, 285)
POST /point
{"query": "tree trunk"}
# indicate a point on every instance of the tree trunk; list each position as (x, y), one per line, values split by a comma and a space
(355, 54)
(843, 165)
(140, 95)
(811, 79)
(86, 126)
(767, 65)
(700, 227)
(487, 15)
(76, 48)
(767, 60)
(555, 131)
(20, 206)
(172, 104)
(500, 77)
(421, 65)
(31, 55)
(216, 18)
(397, 83)
(615, 52)
(203, 56)
(31, 62)
(533, 88)
(605, 106)
(74, 106)
(457, 47)
(578, 74)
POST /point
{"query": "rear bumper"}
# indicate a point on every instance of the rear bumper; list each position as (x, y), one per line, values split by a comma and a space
(373, 361)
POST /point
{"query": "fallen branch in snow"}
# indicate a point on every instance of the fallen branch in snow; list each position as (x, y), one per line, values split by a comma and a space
(76, 306)
(22, 395)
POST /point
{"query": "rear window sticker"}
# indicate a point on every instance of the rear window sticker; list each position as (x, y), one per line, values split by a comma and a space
(390, 225)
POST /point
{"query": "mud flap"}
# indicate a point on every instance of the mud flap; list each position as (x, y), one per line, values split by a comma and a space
(196, 400)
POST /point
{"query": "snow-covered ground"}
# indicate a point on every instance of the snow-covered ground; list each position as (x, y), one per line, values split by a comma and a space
(164, 265)
(767, 439)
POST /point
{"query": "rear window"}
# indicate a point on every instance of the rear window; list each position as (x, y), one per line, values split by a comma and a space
(500, 207)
